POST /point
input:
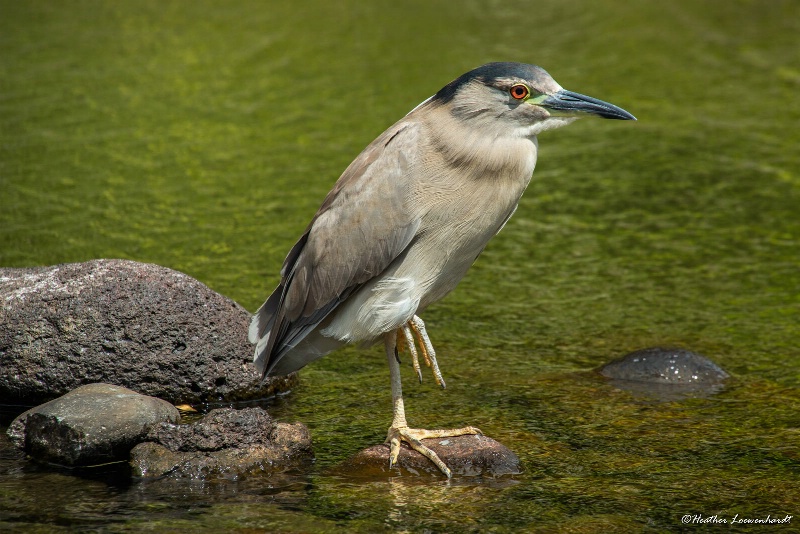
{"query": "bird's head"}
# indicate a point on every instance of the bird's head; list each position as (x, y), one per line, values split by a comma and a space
(517, 100)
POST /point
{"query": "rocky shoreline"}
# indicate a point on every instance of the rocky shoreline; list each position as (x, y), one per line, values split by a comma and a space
(110, 346)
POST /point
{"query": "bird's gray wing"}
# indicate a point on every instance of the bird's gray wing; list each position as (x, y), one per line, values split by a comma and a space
(364, 223)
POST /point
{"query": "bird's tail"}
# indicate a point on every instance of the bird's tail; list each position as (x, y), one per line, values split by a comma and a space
(261, 327)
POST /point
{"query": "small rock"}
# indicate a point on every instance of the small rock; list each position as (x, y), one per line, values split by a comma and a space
(137, 325)
(93, 424)
(226, 443)
(468, 455)
(668, 374)
(673, 366)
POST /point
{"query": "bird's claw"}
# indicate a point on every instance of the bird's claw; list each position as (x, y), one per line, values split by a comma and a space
(414, 437)
(414, 332)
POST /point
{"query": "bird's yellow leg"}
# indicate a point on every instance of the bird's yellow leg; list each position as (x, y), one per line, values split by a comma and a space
(426, 347)
(399, 431)
(409, 339)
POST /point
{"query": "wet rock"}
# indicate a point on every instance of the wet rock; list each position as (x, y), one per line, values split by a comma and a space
(674, 366)
(665, 373)
(93, 424)
(141, 326)
(226, 443)
(468, 455)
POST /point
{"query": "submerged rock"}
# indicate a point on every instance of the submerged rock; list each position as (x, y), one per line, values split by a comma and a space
(226, 443)
(93, 424)
(137, 325)
(469, 455)
(672, 366)
(665, 373)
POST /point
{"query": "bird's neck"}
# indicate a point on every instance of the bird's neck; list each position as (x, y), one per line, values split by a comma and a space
(477, 148)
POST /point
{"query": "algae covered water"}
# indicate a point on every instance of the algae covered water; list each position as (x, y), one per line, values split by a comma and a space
(204, 136)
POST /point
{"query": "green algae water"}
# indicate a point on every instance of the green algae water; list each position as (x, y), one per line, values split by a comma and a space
(203, 136)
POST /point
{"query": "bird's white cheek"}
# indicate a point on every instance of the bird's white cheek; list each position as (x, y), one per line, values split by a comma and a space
(549, 123)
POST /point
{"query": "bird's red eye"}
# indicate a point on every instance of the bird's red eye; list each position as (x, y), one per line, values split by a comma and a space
(519, 91)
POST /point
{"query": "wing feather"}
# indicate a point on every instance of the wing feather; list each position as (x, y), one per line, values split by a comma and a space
(364, 223)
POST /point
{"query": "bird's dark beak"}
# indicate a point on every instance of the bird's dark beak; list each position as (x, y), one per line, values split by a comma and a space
(565, 102)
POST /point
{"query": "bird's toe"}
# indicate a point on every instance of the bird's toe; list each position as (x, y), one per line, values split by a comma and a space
(414, 436)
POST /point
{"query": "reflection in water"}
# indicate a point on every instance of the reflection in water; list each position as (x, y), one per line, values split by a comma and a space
(408, 494)
(667, 392)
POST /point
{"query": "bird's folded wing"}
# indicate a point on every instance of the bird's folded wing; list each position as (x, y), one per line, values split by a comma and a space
(363, 225)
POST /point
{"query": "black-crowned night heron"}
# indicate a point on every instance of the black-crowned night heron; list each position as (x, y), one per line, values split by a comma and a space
(406, 220)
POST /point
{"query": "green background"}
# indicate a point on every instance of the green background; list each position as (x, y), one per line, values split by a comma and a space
(203, 136)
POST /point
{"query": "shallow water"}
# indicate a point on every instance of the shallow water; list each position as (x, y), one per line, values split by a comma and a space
(203, 137)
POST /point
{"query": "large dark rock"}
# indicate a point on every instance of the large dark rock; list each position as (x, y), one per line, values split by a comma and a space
(468, 455)
(226, 443)
(142, 326)
(93, 424)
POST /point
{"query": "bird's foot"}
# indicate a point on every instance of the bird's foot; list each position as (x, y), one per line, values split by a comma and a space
(414, 332)
(413, 437)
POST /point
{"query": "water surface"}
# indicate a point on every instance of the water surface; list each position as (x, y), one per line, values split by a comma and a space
(203, 137)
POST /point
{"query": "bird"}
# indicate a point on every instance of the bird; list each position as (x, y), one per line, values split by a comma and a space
(406, 220)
